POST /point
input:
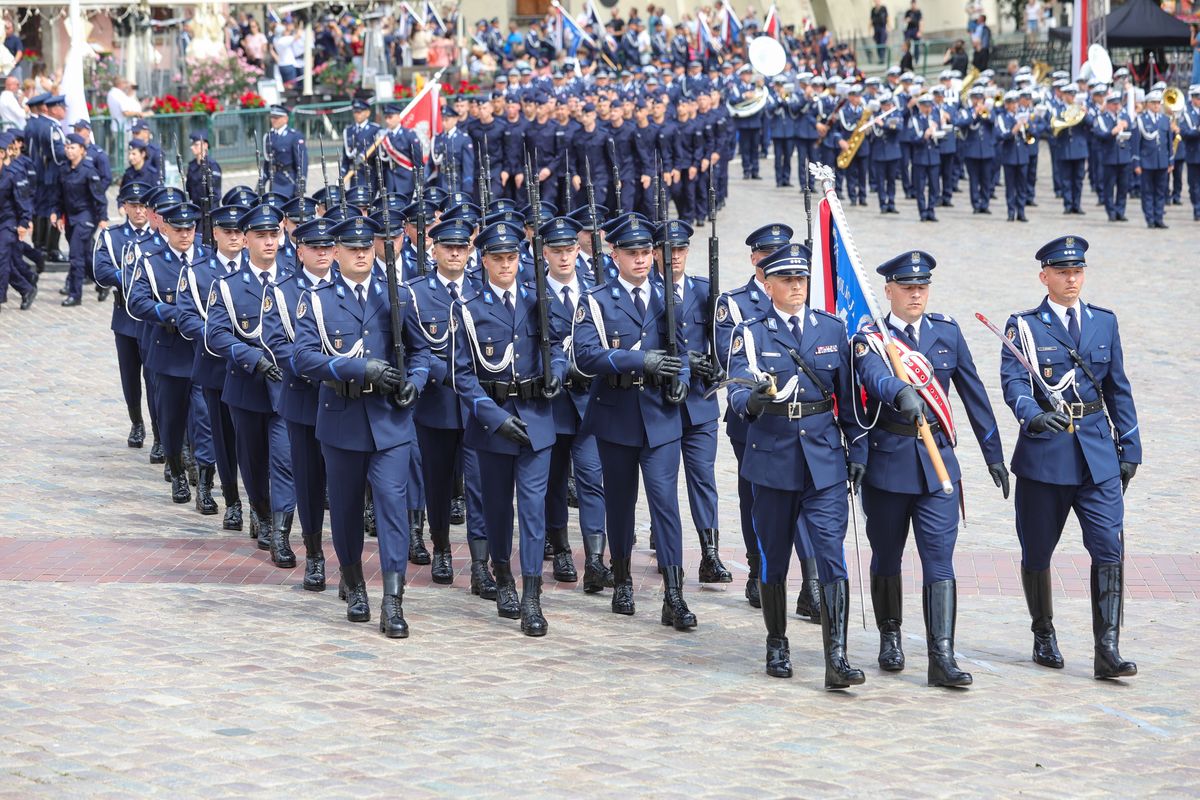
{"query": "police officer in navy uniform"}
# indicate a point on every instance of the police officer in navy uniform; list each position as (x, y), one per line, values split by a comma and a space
(233, 331)
(1013, 154)
(748, 126)
(1152, 158)
(1072, 159)
(83, 203)
(364, 421)
(298, 401)
(500, 374)
(358, 138)
(285, 158)
(16, 216)
(158, 279)
(620, 337)
(885, 153)
(1077, 454)
(923, 129)
(440, 414)
(978, 149)
(700, 413)
(899, 487)
(574, 454)
(208, 371)
(1112, 132)
(203, 183)
(1189, 130)
(794, 362)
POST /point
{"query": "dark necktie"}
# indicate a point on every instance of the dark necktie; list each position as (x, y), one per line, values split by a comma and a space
(508, 302)
(453, 289)
(794, 324)
(1073, 326)
(265, 278)
(566, 293)
(911, 333)
(638, 303)
(231, 266)
(361, 295)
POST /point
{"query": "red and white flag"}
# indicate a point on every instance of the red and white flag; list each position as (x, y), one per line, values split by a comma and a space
(771, 24)
(423, 115)
(1079, 36)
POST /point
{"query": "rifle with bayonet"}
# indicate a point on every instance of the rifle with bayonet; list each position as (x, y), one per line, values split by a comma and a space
(260, 187)
(419, 222)
(206, 226)
(597, 250)
(668, 270)
(612, 153)
(539, 274)
(485, 188)
(393, 283)
(714, 262)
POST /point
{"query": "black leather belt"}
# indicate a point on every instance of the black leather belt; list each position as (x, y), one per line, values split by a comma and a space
(1079, 410)
(625, 381)
(798, 410)
(348, 389)
(579, 385)
(500, 391)
(900, 429)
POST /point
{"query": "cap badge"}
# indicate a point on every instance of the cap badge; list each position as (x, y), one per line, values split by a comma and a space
(1070, 241)
(916, 257)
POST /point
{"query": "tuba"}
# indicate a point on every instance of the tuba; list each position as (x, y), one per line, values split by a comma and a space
(768, 58)
(968, 81)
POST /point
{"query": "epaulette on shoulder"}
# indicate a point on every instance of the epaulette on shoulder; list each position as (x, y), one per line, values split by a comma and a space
(942, 318)
(746, 323)
(737, 290)
(826, 314)
(1029, 312)
(327, 286)
(1101, 308)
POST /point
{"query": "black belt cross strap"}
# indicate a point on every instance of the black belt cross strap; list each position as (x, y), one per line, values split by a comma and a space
(797, 410)
(808, 371)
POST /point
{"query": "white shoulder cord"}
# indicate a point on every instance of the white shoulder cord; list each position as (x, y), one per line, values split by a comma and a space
(232, 309)
(473, 338)
(319, 315)
(150, 277)
(1029, 345)
(284, 316)
(735, 313)
(437, 342)
(201, 308)
(781, 395)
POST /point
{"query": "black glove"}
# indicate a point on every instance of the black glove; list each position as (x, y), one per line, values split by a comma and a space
(909, 404)
(551, 386)
(1128, 470)
(383, 376)
(658, 364)
(578, 379)
(406, 395)
(702, 365)
(677, 392)
(265, 367)
(1053, 421)
(514, 429)
(999, 474)
(855, 472)
(759, 397)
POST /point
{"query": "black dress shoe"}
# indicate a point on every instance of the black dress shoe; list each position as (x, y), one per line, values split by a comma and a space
(458, 510)
(622, 599)
(596, 576)
(1022, 218)
(712, 569)
(1031, 204)
(137, 435)
(72, 301)
(205, 503)
(560, 548)
(280, 545)
(508, 605)
(64, 291)
(28, 298)
(157, 455)
(391, 612)
(180, 491)
(314, 571)
(442, 571)
(674, 609)
(533, 622)
(233, 517)
(985, 211)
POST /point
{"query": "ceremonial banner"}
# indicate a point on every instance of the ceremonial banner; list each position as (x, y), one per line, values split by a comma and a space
(1079, 36)
(771, 25)
(834, 285)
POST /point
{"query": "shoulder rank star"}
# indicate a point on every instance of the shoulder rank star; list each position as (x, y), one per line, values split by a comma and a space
(737, 344)
(579, 313)
(267, 302)
(301, 309)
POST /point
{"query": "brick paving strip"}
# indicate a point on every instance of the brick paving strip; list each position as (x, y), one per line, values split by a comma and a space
(225, 560)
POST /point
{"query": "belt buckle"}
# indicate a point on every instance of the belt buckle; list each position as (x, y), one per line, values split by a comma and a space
(368, 388)
(512, 390)
(1071, 409)
(795, 410)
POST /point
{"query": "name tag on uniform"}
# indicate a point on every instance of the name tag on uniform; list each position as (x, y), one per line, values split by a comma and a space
(772, 355)
(826, 349)
(1047, 349)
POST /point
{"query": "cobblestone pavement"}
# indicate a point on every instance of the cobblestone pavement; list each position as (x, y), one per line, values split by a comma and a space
(147, 653)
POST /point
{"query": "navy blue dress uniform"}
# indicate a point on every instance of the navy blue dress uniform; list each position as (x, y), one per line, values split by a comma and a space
(399, 147)
(921, 132)
(233, 331)
(357, 139)
(900, 488)
(158, 280)
(1112, 133)
(154, 153)
(748, 126)
(83, 202)
(344, 340)
(589, 149)
(298, 400)
(208, 370)
(16, 211)
(146, 173)
(1072, 160)
(781, 119)
(622, 137)
(203, 180)
(46, 150)
(979, 151)
(285, 157)
(846, 122)
(793, 366)
(1152, 156)
(620, 336)
(500, 374)
(441, 418)
(1014, 157)
(574, 453)
(1078, 456)
(454, 154)
(1189, 130)
(699, 413)
(885, 155)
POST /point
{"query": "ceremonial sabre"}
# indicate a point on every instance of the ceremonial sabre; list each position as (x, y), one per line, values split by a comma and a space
(825, 175)
(1054, 396)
